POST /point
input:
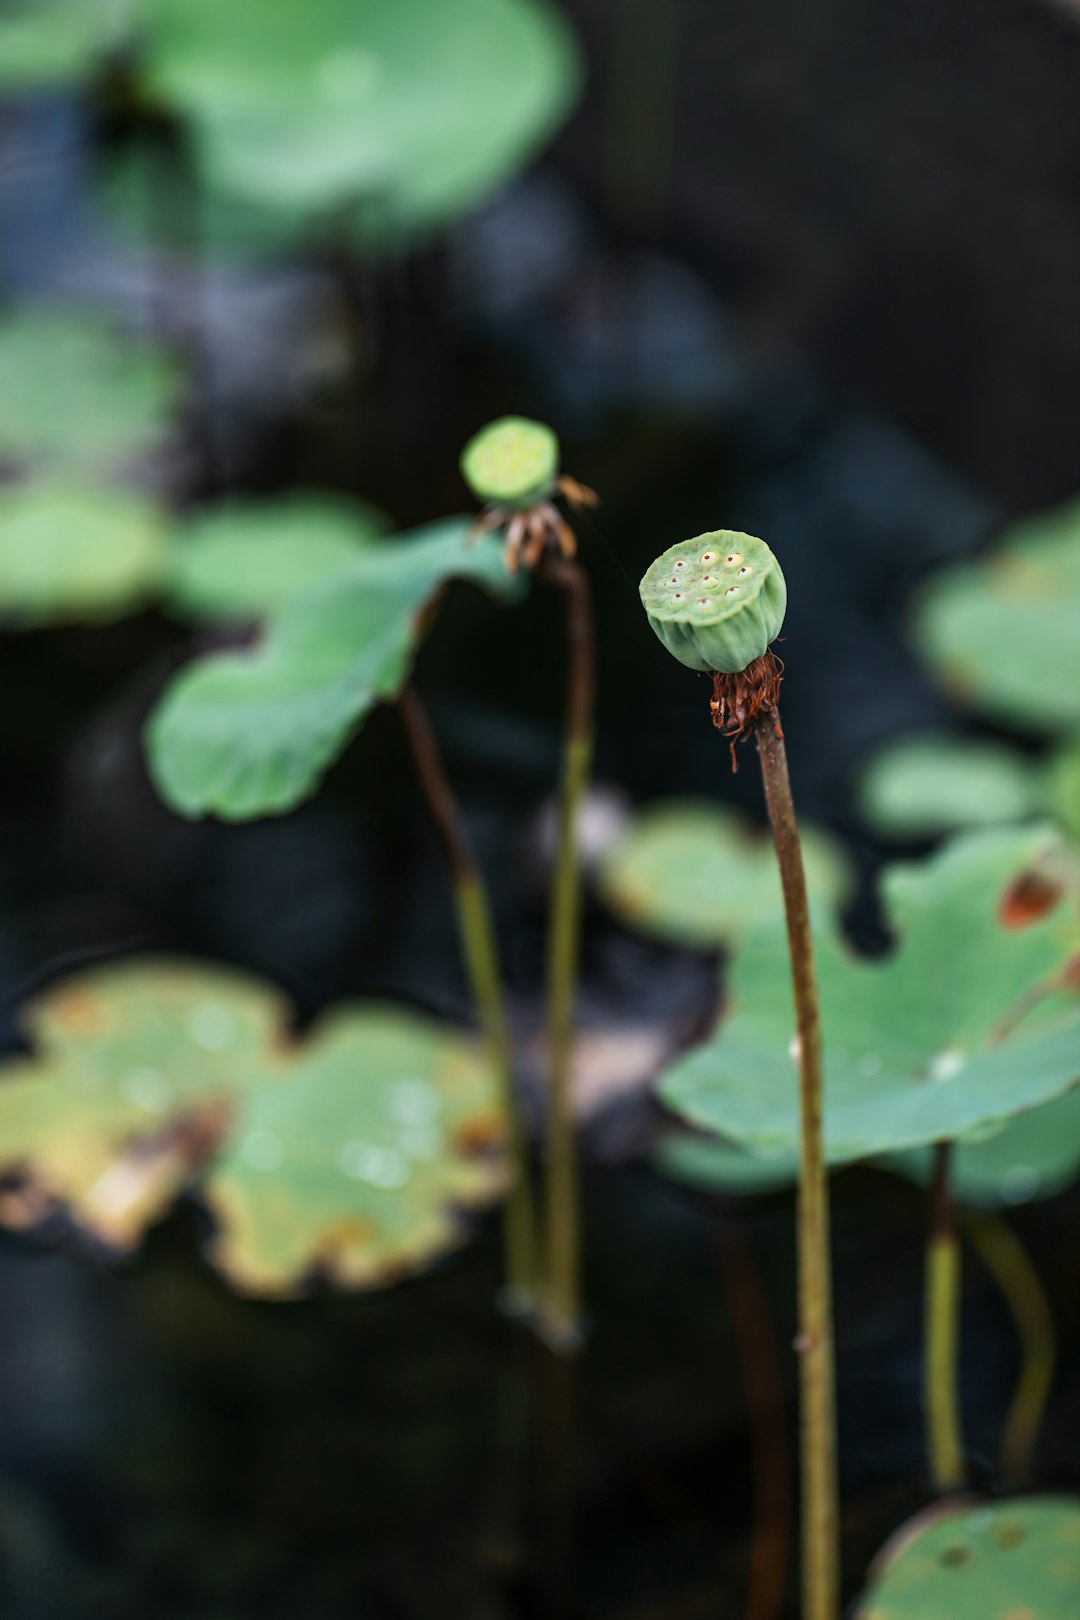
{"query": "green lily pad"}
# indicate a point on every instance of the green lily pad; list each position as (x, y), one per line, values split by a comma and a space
(947, 1035)
(1062, 788)
(1001, 633)
(405, 114)
(1012, 1560)
(356, 1168)
(932, 783)
(134, 1068)
(74, 391)
(694, 873)
(1035, 1155)
(251, 733)
(709, 1165)
(46, 43)
(69, 552)
(247, 560)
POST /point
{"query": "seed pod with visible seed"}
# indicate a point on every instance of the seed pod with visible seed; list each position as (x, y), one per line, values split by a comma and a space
(511, 462)
(716, 601)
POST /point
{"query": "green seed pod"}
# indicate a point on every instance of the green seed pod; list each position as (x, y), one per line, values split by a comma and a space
(512, 462)
(716, 601)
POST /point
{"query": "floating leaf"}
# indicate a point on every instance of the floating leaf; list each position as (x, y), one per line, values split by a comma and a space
(246, 560)
(932, 783)
(70, 553)
(404, 115)
(1062, 788)
(1011, 1560)
(947, 1035)
(74, 391)
(45, 43)
(1035, 1155)
(1001, 632)
(251, 733)
(357, 1166)
(134, 1068)
(696, 874)
(708, 1165)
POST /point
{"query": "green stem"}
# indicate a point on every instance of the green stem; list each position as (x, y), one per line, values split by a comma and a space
(941, 1343)
(480, 950)
(562, 1304)
(817, 1375)
(1005, 1258)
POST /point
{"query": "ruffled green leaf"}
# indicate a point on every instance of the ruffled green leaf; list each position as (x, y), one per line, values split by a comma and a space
(357, 1167)
(248, 560)
(1010, 1560)
(949, 1034)
(243, 734)
(695, 873)
(75, 552)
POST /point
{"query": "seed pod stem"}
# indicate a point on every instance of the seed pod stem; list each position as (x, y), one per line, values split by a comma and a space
(563, 1302)
(941, 1333)
(481, 952)
(817, 1376)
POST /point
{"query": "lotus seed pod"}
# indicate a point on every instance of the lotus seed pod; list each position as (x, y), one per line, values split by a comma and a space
(716, 601)
(512, 462)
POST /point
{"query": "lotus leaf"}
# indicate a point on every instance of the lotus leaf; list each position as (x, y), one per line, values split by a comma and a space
(695, 873)
(1001, 632)
(246, 560)
(958, 1029)
(981, 1561)
(75, 552)
(924, 785)
(134, 1068)
(251, 733)
(356, 1167)
(75, 392)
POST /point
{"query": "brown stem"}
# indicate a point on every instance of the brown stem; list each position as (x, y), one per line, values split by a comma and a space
(563, 1197)
(480, 949)
(820, 1514)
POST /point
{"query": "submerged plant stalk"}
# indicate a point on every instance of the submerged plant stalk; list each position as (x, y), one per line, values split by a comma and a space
(563, 1282)
(941, 1348)
(817, 1377)
(480, 950)
(1005, 1258)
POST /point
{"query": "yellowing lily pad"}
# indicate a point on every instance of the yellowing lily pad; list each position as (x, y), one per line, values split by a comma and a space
(348, 1156)
(1011, 1560)
(251, 733)
(1001, 633)
(75, 392)
(250, 559)
(956, 1030)
(77, 552)
(357, 1167)
(134, 1069)
(694, 873)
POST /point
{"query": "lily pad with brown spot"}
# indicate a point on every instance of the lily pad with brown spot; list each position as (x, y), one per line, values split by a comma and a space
(357, 1167)
(134, 1071)
(966, 1024)
(1009, 1560)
